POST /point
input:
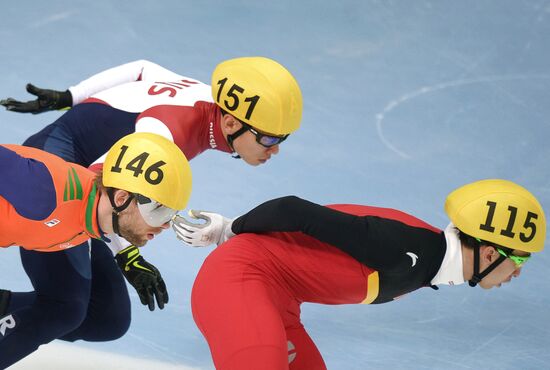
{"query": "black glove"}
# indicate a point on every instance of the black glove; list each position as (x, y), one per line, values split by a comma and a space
(47, 100)
(143, 276)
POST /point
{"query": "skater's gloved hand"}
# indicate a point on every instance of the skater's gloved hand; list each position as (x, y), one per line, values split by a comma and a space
(46, 100)
(143, 276)
(215, 230)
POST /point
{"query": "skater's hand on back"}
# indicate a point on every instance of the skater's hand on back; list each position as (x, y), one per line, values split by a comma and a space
(215, 229)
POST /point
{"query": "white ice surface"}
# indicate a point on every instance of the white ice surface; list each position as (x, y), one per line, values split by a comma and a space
(54, 356)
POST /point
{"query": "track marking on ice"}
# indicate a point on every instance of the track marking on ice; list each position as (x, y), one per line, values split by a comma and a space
(490, 340)
(52, 18)
(436, 359)
(441, 86)
(166, 354)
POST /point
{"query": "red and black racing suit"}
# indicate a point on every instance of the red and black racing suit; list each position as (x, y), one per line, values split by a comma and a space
(247, 296)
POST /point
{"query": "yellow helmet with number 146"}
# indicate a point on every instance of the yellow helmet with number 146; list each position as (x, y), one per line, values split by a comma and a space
(151, 167)
(498, 211)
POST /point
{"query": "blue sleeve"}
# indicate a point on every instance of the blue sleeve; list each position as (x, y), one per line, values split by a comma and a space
(27, 184)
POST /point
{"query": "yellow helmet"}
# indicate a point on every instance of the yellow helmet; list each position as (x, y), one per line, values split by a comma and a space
(259, 92)
(498, 211)
(150, 165)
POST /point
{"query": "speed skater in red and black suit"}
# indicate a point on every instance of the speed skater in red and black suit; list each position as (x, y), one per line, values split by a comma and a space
(253, 284)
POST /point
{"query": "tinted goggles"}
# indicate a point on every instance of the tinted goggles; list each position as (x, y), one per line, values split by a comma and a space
(518, 260)
(154, 213)
(265, 139)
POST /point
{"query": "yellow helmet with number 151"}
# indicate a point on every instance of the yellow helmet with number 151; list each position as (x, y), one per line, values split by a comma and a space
(498, 211)
(152, 167)
(259, 92)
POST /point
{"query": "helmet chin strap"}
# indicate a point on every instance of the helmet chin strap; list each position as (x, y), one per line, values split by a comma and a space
(478, 276)
(231, 138)
(118, 209)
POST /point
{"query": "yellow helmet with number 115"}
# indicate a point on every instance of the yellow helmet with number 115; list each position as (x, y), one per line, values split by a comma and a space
(259, 92)
(149, 165)
(498, 211)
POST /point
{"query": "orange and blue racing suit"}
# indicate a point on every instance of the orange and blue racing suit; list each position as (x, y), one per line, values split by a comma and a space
(46, 205)
(138, 96)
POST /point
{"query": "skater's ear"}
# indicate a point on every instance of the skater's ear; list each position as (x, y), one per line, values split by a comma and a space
(230, 124)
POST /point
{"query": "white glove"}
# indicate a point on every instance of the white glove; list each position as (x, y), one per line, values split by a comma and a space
(216, 229)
